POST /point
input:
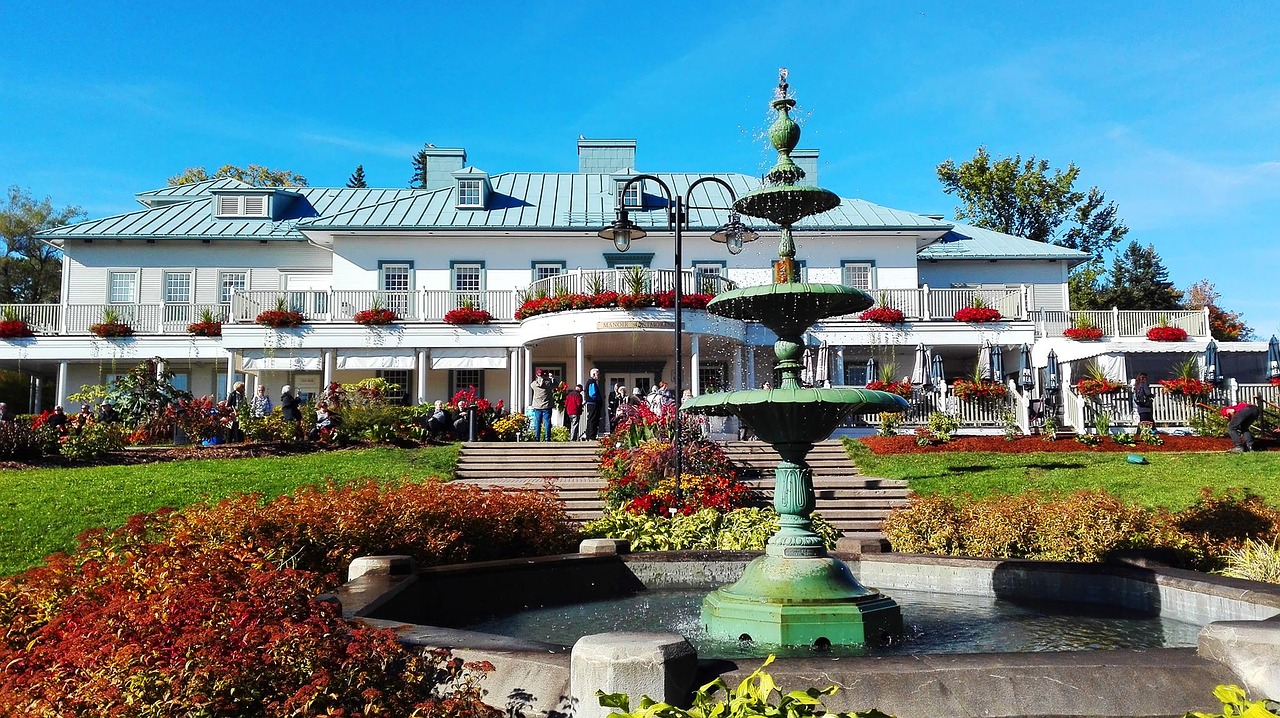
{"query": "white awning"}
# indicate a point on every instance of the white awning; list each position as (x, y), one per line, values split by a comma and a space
(258, 361)
(468, 359)
(378, 360)
(1068, 350)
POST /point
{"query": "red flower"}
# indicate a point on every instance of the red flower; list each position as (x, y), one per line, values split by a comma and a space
(1095, 387)
(15, 329)
(468, 315)
(1166, 334)
(1083, 334)
(1186, 386)
(205, 329)
(977, 314)
(374, 316)
(108, 330)
(966, 389)
(280, 318)
(883, 315)
(901, 388)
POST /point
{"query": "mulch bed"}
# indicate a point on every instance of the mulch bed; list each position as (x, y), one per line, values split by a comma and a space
(1034, 444)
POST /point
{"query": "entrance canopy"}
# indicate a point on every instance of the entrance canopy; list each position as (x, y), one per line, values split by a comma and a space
(299, 361)
(375, 359)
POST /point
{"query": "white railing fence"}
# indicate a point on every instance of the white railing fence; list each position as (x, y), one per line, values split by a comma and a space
(944, 303)
(40, 318)
(625, 281)
(1121, 323)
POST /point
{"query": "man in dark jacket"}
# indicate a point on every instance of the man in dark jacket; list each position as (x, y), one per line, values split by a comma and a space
(592, 399)
(1144, 400)
(1240, 418)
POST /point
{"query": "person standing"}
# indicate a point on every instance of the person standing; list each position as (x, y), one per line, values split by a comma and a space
(591, 400)
(235, 399)
(573, 412)
(1240, 418)
(1144, 400)
(290, 409)
(617, 400)
(541, 404)
(6, 416)
(260, 404)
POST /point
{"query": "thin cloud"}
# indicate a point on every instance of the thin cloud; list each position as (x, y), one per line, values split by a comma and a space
(385, 149)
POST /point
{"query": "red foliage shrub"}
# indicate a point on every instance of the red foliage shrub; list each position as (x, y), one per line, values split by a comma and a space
(1083, 334)
(205, 329)
(883, 315)
(604, 300)
(280, 318)
(967, 389)
(977, 314)
(468, 315)
(1186, 386)
(379, 316)
(15, 329)
(901, 388)
(1095, 387)
(111, 330)
(1166, 334)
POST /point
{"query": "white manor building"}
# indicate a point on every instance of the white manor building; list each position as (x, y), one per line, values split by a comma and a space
(490, 240)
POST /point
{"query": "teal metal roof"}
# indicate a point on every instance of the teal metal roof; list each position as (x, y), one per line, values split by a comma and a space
(967, 242)
(543, 200)
(194, 219)
(191, 190)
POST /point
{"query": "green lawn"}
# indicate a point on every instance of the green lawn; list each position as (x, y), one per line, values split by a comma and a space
(1171, 479)
(43, 510)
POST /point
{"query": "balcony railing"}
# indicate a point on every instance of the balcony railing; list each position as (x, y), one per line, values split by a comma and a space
(1122, 323)
(628, 281)
(928, 304)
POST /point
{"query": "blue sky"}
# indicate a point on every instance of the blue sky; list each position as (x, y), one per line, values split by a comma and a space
(1172, 108)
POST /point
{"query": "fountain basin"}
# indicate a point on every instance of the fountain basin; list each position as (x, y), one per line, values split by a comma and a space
(789, 309)
(787, 204)
(794, 415)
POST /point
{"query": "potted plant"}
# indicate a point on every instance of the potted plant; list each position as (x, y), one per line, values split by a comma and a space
(886, 382)
(1186, 381)
(111, 326)
(13, 326)
(1162, 332)
(281, 317)
(977, 312)
(978, 387)
(377, 315)
(1096, 382)
(208, 326)
(1083, 329)
(468, 314)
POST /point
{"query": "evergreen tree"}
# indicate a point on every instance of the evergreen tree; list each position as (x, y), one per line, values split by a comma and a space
(420, 161)
(356, 180)
(1139, 280)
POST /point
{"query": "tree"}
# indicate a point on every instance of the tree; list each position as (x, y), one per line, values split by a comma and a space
(356, 180)
(1223, 325)
(1139, 280)
(30, 270)
(256, 175)
(1029, 199)
(420, 162)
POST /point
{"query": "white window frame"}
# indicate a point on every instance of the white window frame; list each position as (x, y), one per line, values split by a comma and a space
(634, 197)
(466, 267)
(166, 298)
(225, 291)
(456, 383)
(470, 193)
(239, 205)
(847, 280)
(133, 293)
(546, 270)
(391, 270)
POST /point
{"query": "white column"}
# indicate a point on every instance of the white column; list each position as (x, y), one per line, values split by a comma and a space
(328, 362)
(253, 382)
(231, 372)
(527, 379)
(736, 381)
(62, 382)
(580, 359)
(422, 376)
(160, 365)
(695, 365)
(513, 395)
(751, 368)
(839, 366)
(37, 386)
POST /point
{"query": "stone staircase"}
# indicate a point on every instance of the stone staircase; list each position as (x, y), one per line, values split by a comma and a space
(855, 504)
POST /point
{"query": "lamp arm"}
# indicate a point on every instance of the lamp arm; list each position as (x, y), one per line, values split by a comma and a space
(688, 193)
(666, 191)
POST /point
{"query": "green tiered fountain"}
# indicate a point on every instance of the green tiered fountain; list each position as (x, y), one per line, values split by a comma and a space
(795, 594)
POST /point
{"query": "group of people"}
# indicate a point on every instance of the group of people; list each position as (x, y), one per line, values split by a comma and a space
(581, 406)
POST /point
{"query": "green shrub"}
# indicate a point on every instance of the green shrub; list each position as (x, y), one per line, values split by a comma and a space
(271, 427)
(1235, 704)
(1255, 561)
(1124, 438)
(889, 423)
(97, 440)
(754, 698)
(929, 524)
(1009, 422)
(1208, 423)
(744, 529)
(19, 442)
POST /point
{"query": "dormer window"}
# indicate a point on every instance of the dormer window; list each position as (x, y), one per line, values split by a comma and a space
(633, 195)
(242, 205)
(470, 193)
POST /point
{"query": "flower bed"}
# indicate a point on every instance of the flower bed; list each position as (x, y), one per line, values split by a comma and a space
(111, 330)
(967, 389)
(1032, 444)
(1166, 334)
(1185, 386)
(205, 329)
(1097, 387)
(1083, 334)
(280, 318)
(977, 315)
(607, 300)
(379, 316)
(883, 315)
(901, 388)
(15, 329)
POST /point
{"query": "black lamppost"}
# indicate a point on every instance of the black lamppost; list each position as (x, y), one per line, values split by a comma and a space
(733, 234)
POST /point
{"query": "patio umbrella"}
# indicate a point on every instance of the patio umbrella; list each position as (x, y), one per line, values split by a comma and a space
(1025, 377)
(823, 370)
(920, 372)
(997, 363)
(809, 371)
(1211, 373)
(873, 370)
(1052, 376)
(984, 360)
(1273, 358)
(939, 377)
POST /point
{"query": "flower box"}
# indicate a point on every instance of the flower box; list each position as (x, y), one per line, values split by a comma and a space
(279, 318)
(1097, 387)
(967, 389)
(468, 315)
(376, 316)
(901, 388)
(205, 329)
(15, 329)
(1166, 334)
(977, 315)
(111, 330)
(1275, 381)
(883, 315)
(1083, 334)
(1186, 386)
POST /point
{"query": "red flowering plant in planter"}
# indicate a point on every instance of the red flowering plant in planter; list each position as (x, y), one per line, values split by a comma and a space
(376, 315)
(1275, 381)
(14, 327)
(1165, 333)
(977, 389)
(1096, 382)
(1186, 380)
(901, 388)
(1083, 330)
(883, 315)
(112, 326)
(977, 312)
(467, 314)
(282, 317)
(208, 326)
